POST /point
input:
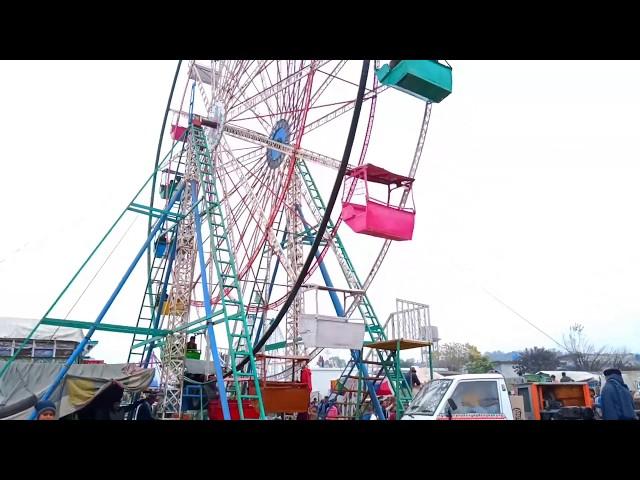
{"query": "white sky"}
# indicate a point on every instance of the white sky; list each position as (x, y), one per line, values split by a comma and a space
(527, 187)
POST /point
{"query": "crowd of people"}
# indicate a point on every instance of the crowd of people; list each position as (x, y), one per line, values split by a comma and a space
(327, 409)
(615, 402)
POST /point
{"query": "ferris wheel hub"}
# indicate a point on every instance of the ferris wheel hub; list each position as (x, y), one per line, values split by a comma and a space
(281, 133)
(217, 116)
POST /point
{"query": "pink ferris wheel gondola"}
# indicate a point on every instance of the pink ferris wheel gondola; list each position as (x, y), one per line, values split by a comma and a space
(376, 217)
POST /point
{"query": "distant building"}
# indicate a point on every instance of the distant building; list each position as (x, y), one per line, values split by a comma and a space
(47, 344)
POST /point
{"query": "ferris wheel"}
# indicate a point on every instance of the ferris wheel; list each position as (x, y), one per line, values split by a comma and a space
(268, 125)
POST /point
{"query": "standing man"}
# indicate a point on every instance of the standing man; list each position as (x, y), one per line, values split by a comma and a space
(616, 401)
(144, 409)
(565, 378)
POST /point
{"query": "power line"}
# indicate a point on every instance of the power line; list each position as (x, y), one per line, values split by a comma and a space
(523, 318)
(509, 307)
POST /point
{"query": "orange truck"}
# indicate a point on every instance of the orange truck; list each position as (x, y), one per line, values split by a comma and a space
(556, 401)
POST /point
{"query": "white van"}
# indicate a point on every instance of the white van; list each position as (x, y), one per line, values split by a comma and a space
(462, 397)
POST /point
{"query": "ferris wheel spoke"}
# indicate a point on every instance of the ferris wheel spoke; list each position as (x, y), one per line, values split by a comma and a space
(260, 67)
(273, 90)
(259, 139)
(261, 118)
(229, 74)
(243, 207)
(262, 220)
(233, 86)
(300, 108)
(266, 184)
(268, 102)
(256, 153)
(264, 87)
(323, 86)
(293, 93)
(341, 111)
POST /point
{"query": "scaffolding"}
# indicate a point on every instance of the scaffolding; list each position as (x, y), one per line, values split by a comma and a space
(412, 320)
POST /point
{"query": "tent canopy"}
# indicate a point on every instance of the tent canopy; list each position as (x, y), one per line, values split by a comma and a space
(12, 327)
(28, 380)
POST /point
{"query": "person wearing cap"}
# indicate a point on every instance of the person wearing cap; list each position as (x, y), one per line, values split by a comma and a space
(45, 410)
(616, 401)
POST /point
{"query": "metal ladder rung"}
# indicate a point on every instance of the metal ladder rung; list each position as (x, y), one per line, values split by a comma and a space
(241, 353)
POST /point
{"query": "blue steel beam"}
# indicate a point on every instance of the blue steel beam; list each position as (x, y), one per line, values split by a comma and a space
(207, 308)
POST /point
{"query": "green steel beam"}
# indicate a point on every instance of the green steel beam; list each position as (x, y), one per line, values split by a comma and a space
(56, 322)
(152, 215)
(183, 327)
(155, 212)
(275, 346)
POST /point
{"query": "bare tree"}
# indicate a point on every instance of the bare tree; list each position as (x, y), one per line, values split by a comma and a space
(620, 358)
(584, 355)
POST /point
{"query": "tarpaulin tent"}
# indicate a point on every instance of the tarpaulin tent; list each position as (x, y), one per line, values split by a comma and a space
(24, 382)
(19, 328)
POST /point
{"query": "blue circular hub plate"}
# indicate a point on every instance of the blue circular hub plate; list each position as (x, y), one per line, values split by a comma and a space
(280, 133)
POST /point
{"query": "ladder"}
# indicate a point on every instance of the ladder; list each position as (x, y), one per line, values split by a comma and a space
(151, 307)
(239, 339)
(260, 293)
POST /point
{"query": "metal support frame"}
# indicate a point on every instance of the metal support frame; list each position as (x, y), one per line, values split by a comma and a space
(296, 261)
(81, 346)
(174, 348)
(356, 355)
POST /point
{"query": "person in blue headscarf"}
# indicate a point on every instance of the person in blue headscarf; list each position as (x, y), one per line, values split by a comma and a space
(45, 410)
(616, 401)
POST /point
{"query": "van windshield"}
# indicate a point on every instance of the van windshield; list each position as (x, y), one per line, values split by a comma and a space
(429, 397)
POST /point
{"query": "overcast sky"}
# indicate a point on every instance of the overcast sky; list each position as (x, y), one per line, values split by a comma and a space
(528, 188)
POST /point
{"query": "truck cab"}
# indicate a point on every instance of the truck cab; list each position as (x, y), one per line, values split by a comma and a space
(462, 397)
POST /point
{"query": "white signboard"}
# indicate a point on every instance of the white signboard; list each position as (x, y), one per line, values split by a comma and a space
(330, 332)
